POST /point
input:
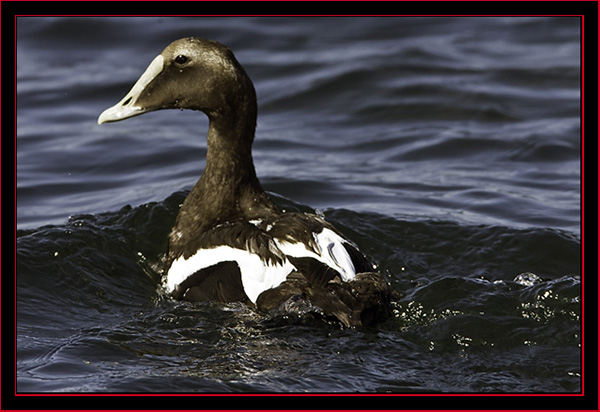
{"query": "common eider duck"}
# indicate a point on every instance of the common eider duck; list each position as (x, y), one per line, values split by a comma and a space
(230, 241)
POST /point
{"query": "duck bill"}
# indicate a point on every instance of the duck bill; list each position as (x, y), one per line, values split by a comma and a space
(128, 106)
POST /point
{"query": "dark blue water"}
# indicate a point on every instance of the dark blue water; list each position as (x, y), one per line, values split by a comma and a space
(448, 149)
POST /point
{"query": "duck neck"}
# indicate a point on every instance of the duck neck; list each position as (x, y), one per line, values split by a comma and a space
(228, 188)
(229, 165)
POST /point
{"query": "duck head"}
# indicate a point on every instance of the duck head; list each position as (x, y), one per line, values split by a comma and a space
(190, 73)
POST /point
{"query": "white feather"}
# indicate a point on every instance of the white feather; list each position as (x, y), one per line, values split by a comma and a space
(258, 276)
(335, 254)
(331, 251)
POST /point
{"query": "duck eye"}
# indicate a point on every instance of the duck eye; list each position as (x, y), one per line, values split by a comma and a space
(181, 59)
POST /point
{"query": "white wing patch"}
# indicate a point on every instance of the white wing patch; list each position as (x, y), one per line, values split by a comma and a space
(331, 251)
(257, 275)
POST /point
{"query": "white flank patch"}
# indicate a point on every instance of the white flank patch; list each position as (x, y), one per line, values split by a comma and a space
(257, 276)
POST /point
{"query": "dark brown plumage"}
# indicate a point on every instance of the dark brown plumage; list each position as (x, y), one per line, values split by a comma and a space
(230, 242)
